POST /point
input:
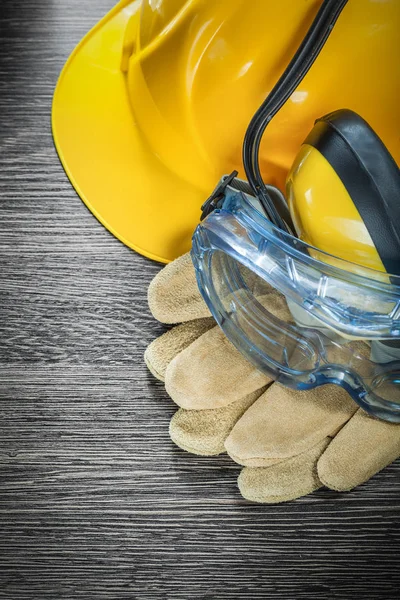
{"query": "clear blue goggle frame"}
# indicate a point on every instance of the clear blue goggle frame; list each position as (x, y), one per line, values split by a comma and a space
(238, 255)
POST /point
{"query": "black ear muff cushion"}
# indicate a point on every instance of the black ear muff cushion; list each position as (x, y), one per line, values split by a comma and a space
(370, 175)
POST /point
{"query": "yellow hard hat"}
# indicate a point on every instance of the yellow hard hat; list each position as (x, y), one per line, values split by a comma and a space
(153, 105)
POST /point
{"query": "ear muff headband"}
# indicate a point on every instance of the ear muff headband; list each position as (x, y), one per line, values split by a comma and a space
(294, 73)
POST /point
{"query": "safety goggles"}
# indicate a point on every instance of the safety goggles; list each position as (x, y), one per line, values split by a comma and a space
(239, 256)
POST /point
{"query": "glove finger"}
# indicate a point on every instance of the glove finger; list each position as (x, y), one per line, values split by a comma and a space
(287, 480)
(204, 432)
(361, 449)
(211, 373)
(173, 294)
(283, 423)
(163, 349)
(174, 297)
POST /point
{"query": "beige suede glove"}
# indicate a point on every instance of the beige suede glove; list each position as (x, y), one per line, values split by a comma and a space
(290, 442)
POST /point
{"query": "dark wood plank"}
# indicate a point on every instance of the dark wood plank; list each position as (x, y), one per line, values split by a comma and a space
(95, 501)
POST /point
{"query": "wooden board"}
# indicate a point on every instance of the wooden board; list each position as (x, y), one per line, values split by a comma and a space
(96, 502)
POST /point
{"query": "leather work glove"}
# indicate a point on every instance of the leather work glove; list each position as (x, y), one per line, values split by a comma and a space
(290, 442)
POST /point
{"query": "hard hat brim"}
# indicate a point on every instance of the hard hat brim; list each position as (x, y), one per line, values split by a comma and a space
(111, 167)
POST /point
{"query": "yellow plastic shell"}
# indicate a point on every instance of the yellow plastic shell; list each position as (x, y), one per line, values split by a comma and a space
(323, 212)
(152, 106)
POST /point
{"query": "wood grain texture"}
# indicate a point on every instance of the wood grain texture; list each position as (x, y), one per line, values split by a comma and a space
(95, 500)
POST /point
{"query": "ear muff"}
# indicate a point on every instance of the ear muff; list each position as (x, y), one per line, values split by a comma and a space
(344, 192)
